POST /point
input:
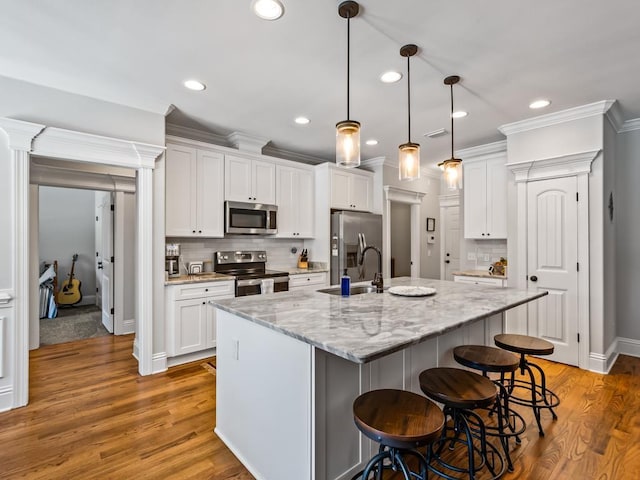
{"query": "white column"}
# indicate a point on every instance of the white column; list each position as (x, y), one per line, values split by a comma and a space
(144, 278)
(21, 135)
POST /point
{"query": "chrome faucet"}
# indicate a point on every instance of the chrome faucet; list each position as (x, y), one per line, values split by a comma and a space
(377, 278)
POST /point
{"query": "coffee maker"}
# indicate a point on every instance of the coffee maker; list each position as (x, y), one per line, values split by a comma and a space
(172, 260)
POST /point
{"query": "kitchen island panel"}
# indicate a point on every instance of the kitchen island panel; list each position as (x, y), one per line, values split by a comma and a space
(264, 398)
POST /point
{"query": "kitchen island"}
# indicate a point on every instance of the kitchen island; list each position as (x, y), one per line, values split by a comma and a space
(290, 365)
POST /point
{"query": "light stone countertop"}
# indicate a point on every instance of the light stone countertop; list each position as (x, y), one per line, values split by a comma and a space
(362, 328)
(479, 273)
(302, 271)
(199, 278)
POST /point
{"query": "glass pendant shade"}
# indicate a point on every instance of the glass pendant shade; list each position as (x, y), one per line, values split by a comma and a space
(409, 161)
(348, 144)
(453, 173)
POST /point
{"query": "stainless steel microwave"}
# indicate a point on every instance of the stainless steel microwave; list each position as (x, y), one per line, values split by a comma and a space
(250, 218)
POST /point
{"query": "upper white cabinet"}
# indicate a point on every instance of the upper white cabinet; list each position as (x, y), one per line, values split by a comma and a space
(247, 180)
(485, 196)
(351, 190)
(295, 199)
(194, 196)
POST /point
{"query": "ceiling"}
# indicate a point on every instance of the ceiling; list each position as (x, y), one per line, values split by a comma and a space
(260, 75)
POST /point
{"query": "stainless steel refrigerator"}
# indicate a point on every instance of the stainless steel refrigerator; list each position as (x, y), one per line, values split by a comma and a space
(350, 233)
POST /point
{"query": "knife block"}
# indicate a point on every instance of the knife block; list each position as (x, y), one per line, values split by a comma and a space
(302, 262)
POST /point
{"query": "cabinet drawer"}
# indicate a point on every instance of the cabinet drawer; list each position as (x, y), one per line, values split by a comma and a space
(498, 282)
(307, 279)
(209, 289)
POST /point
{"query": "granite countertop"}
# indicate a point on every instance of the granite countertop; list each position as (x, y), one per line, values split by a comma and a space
(480, 273)
(364, 327)
(199, 278)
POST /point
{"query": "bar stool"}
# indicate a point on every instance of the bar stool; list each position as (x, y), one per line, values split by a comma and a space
(540, 397)
(462, 391)
(510, 424)
(400, 422)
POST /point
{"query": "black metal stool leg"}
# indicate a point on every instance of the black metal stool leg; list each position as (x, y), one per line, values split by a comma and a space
(543, 384)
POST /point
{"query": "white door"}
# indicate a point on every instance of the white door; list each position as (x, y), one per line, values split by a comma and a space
(451, 241)
(105, 265)
(552, 252)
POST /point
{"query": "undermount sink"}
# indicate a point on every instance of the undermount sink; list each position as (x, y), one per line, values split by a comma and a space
(354, 290)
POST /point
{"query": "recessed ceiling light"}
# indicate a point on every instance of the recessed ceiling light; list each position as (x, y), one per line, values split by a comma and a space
(373, 141)
(390, 77)
(194, 85)
(301, 120)
(539, 104)
(267, 9)
(459, 114)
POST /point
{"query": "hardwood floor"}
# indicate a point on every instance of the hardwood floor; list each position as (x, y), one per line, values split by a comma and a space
(92, 416)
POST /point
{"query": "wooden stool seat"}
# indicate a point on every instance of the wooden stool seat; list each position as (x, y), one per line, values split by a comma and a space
(458, 388)
(486, 359)
(398, 418)
(523, 344)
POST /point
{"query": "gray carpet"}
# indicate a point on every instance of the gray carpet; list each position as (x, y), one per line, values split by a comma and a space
(73, 323)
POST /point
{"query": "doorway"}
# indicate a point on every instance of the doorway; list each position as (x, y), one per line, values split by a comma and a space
(450, 234)
(400, 223)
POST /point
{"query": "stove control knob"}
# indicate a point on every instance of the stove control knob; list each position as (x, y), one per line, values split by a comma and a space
(225, 257)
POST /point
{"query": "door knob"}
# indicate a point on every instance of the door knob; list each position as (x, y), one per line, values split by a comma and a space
(533, 278)
(447, 261)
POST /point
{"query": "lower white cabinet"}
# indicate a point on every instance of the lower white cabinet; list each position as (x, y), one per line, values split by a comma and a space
(191, 316)
(498, 282)
(307, 281)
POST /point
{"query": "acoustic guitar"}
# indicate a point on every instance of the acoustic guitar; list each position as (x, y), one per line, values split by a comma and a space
(70, 293)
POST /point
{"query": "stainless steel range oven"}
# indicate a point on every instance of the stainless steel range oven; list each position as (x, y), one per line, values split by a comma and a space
(249, 268)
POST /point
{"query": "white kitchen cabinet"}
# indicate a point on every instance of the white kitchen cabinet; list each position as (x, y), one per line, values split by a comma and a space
(351, 190)
(498, 282)
(194, 201)
(308, 281)
(191, 317)
(295, 199)
(485, 198)
(249, 180)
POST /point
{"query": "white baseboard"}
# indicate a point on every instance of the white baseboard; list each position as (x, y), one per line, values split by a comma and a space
(628, 346)
(136, 349)
(6, 398)
(602, 363)
(191, 357)
(159, 362)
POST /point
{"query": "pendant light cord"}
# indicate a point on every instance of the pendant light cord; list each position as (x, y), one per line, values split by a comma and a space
(451, 121)
(409, 98)
(348, 60)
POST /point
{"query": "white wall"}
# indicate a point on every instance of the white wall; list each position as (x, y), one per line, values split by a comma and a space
(627, 230)
(67, 226)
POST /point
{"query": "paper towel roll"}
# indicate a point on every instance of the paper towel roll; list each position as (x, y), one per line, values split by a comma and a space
(266, 285)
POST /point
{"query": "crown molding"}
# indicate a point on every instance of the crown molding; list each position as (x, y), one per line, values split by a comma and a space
(396, 194)
(571, 114)
(488, 149)
(554, 167)
(614, 116)
(85, 147)
(20, 133)
(293, 156)
(378, 162)
(247, 143)
(630, 126)
(172, 129)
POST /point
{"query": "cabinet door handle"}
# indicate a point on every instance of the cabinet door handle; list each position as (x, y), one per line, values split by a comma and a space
(447, 261)
(533, 278)
(483, 234)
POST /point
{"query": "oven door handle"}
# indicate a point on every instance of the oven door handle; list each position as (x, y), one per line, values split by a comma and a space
(258, 281)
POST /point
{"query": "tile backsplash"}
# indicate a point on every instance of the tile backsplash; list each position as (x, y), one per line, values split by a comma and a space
(482, 253)
(278, 250)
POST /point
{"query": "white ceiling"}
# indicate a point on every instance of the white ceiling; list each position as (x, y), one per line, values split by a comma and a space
(261, 74)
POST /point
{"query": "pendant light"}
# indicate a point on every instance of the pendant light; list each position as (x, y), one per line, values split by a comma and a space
(348, 131)
(409, 153)
(453, 166)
